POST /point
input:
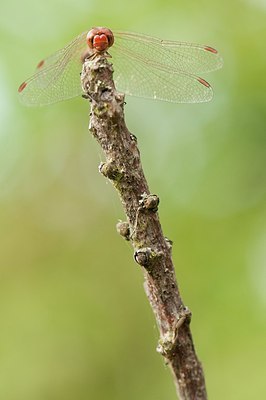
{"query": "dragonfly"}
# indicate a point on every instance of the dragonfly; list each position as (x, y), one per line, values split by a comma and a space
(144, 66)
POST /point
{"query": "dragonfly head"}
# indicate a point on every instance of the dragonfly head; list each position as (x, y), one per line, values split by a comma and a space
(100, 39)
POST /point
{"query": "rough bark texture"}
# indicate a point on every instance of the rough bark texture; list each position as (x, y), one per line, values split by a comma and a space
(152, 251)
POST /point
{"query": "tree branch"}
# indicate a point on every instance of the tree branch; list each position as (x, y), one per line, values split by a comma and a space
(152, 251)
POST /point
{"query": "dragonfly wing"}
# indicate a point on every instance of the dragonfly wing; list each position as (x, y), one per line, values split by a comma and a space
(188, 57)
(143, 78)
(57, 77)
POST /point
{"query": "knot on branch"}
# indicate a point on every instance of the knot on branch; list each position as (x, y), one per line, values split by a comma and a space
(169, 243)
(149, 202)
(123, 229)
(167, 343)
(146, 257)
(110, 171)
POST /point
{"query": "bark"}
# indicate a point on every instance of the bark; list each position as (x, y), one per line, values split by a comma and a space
(152, 251)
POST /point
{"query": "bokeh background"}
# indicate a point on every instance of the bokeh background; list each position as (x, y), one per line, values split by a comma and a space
(75, 322)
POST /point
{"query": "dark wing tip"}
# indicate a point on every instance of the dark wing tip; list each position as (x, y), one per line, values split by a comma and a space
(40, 64)
(203, 82)
(22, 87)
(210, 49)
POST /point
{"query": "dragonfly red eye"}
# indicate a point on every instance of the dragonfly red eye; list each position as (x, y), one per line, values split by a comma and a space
(100, 42)
(22, 87)
(100, 39)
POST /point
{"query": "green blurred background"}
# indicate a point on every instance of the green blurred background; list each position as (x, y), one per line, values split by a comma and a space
(75, 322)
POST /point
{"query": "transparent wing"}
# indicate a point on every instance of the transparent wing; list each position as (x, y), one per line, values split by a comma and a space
(142, 76)
(144, 66)
(57, 77)
(179, 56)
